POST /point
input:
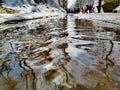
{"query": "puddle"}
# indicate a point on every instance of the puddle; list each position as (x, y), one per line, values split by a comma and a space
(59, 54)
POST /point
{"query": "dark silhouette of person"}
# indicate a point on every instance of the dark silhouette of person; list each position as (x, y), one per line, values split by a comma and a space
(87, 8)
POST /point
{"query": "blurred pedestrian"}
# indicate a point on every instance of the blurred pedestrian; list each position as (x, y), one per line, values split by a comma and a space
(86, 9)
(90, 8)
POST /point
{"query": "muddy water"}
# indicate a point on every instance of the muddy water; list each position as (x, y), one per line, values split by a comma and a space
(59, 54)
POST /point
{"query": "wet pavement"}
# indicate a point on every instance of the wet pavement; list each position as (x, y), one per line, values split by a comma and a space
(59, 54)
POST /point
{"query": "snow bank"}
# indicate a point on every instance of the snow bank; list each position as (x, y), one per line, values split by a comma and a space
(29, 9)
(107, 17)
(117, 9)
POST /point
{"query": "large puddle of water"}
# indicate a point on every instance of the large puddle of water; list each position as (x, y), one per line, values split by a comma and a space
(59, 54)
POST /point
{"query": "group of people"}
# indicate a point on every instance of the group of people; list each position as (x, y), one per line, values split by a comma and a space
(82, 9)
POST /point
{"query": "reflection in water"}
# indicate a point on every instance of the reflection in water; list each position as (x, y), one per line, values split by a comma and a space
(59, 54)
(109, 62)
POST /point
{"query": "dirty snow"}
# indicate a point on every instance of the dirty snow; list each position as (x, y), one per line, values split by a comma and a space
(27, 14)
(27, 10)
(106, 17)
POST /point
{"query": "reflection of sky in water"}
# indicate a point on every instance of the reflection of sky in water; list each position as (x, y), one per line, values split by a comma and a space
(70, 25)
(79, 54)
(15, 69)
(75, 53)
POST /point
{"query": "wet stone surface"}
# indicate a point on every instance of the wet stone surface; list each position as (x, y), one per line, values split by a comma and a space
(59, 54)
